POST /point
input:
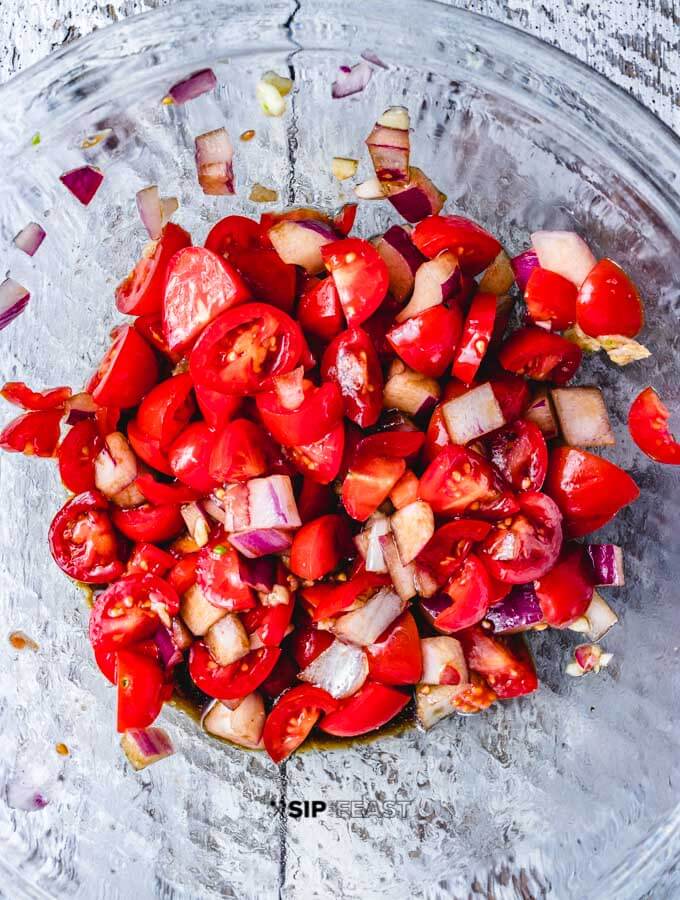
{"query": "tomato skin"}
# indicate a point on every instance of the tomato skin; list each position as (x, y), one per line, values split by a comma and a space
(141, 292)
(360, 276)
(270, 623)
(427, 342)
(371, 707)
(319, 413)
(436, 436)
(166, 409)
(351, 361)
(648, 426)
(319, 547)
(219, 577)
(128, 371)
(529, 546)
(151, 329)
(505, 663)
(343, 220)
(183, 573)
(588, 489)
(149, 523)
(82, 541)
(476, 337)
(147, 557)
(189, 456)
(519, 453)
(564, 593)
(308, 643)
(199, 287)
(239, 452)
(609, 303)
(20, 394)
(470, 590)
(293, 717)
(368, 483)
(249, 328)
(160, 494)
(396, 657)
(321, 460)
(540, 355)
(34, 433)
(550, 297)
(140, 683)
(266, 275)
(446, 492)
(147, 449)
(235, 680)
(76, 455)
(448, 547)
(512, 394)
(217, 408)
(475, 247)
(333, 599)
(319, 311)
(234, 233)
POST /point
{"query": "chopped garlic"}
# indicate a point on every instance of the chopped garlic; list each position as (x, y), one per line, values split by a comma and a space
(343, 167)
(395, 117)
(622, 350)
(577, 336)
(270, 99)
(261, 194)
(282, 84)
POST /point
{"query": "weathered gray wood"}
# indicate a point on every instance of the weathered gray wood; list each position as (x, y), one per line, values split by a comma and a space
(635, 43)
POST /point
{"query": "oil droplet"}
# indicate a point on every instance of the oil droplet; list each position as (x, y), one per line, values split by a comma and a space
(248, 135)
(62, 749)
(21, 641)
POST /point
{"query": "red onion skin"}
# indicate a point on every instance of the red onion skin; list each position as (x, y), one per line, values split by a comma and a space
(523, 265)
(258, 573)
(30, 238)
(519, 611)
(606, 560)
(13, 301)
(351, 81)
(412, 203)
(193, 86)
(397, 238)
(261, 542)
(83, 183)
(169, 652)
(432, 606)
(372, 57)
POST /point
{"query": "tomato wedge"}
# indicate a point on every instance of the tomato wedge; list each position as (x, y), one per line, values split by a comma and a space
(147, 449)
(183, 574)
(141, 293)
(476, 337)
(20, 394)
(396, 658)
(321, 460)
(351, 361)
(151, 329)
(609, 303)
(448, 547)
(240, 452)
(147, 557)
(540, 355)
(456, 480)
(200, 286)
(319, 311)
(470, 590)
(334, 598)
(371, 707)
(427, 342)
(550, 297)
(360, 276)
(218, 575)
(217, 408)
(505, 663)
(368, 484)
(475, 247)
(236, 680)
(83, 542)
(320, 546)
(166, 409)
(343, 220)
(76, 456)
(648, 426)
(565, 592)
(189, 456)
(149, 523)
(140, 690)
(319, 412)
(519, 453)
(34, 433)
(234, 233)
(127, 372)
(266, 275)
(160, 493)
(293, 717)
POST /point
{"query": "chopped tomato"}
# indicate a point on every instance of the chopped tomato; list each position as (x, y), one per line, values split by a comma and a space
(160, 493)
(338, 597)
(449, 546)
(371, 707)
(282, 677)
(234, 233)
(550, 297)
(476, 248)
(183, 573)
(319, 311)
(427, 342)
(239, 452)
(236, 680)
(343, 220)
(266, 275)
(200, 286)
(368, 484)
(565, 592)
(149, 523)
(142, 291)
(456, 480)
(470, 590)
(147, 449)
(609, 303)
(314, 500)
(588, 489)
(309, 642)
(20, 394)
(519, 453)
(218, 575)
(166, 409)
(127, 372)
(147, 557)
(217, 408)
(405, 491)
(320, 546)
(351, 361)
(648, 426)
(540, 355)
(34, 433)
(319, 412)
(189, 456)
(293, 717)
(505, 663)
(83, 542)
(321, 460)
(151, 329)
(140, 690)
(512, 394)
(269, 623)
(76, 456)
(396, 658)
(393, 444)
(476, 337)
(360, 276)
(436, 436)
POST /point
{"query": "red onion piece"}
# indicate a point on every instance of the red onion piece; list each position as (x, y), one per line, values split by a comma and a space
(242, 725)
(258, 573)
(197, 523)
(150, 212)
(435, 281)
(473, 414)
(235, 504)
(607, 560)
(83, 183)
(403, 577)
(197, 612)
(417, 199)
(523, 265)
(379, 526)
(168, 651)
(78, 407)
(300, 243)
(214, 154)
(261, 542)
(390, 150)
(271, 503)
(13, 301)
(364, 626)
(341, 670)
(412, 527)
(227, 640)
(115, 466)
(144, 746)
(372, 57)
(519, 611)
(351, 81)
(583, 416)
(599, 618)
(371, 189)
(443, 661)
(540, 412)
(435, 702)
(411, 392)
(30, 238)
(193, 86)
(402, 258)
(564, 252)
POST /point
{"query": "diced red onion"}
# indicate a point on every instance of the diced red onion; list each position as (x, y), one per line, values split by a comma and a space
(258, 574)
(411, 392)
(607, 560)
(351, 81)
(236, 505)
(583, 416)
(473, 414)
(150, 212)
(540, 412)
(499, 277)
(597, 619)
(443, 661)
(518, 611)
(379, 525)
(588, 658)
(289, 388)
(403, 577)
(426, 585)
(78, 407)
(412, 527)
(30, 238)
(213, 509)
(144, 746)
(271, 503)
(168, 651)
(83, 183)
(341, 670)
(299, 243)
(193, 86)
(389, 149)
(435, 281)
(227, 640)
(372, 57)
(214, 155)
(371, 189)
(564, 252)
(13, 301)
(197, 612)
(523, 265)
(418, 198)
(278, 596)
(197, 523)
(432, 606)
(180, 634)
(242, 725)
(435, 702)
(261, 542)
(115, 466)
(402, 258)
(364, 626)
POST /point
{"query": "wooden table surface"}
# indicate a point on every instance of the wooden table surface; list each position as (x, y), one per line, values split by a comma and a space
(635, 43)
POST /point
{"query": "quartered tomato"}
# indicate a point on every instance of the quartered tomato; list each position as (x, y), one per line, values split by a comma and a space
(470, 591)
(183, 573)
(34, 433)
(427, 342)
(648, 426)
(527, 545)
(200, 286)
(147, 449)
(128, 371)
(588, 489)
(448, 547)
(293, 717)
(217, 408)
(457, 479)
(166, 409)
(371, 707)
(360, 276)
(151, 329)
(236, 680)
(76, 456)
(476, 248)
(350, 360)
(609, 303)
(83, 542)
(550, 297)
(320, 546)
(512, 394)
(149, 523)
(240, 452)
(243, 347)
(269, 623)
(505, 663)
(519, 453)
(321, 460)
(160, 492)
(476, 337)
(368, 484)
(333, 599)
(565, 592)
(189, 456)
(396, 658)
(20, 394)
(234, 233)
(218, 575)
(319, 412)
(142, 291)
(343, 220)
(141, 683)
(540, 355)
(267, 276)
(319, 311)
(147, 557)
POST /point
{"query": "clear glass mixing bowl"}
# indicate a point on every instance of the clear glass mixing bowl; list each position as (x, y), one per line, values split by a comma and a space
(569, 793)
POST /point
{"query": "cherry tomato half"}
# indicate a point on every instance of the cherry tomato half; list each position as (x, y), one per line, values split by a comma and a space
(475, 247)
(319, 412)
(565, 592)
(520, 454)
(457, 479)
(550, 297)
(427, 342)
(309, 642)
(609, 303)
(83, 542)
(236, 680)
(127, 372)
(648, 426)
(267, 276)
(141, 292)
(147, 449)
(448, 547)
(476, 337)
(371, 707)
(396, 657)
(319, 311)
(147, 557)
(34, 433)
(540, 355)
(351, 361)
(234, 233)
(166, 409)
(20, 394)
(76, 456)
(140, 690)
(189, 456)
(470, 591)
(240, 452)
(293, 717)
(321, 460)
(320, 546)
(505, 663)
(368, 484)
(360, 276)
(149, 523)
(218, 575)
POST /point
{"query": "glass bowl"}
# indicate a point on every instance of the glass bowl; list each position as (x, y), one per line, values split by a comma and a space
(572, 792)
